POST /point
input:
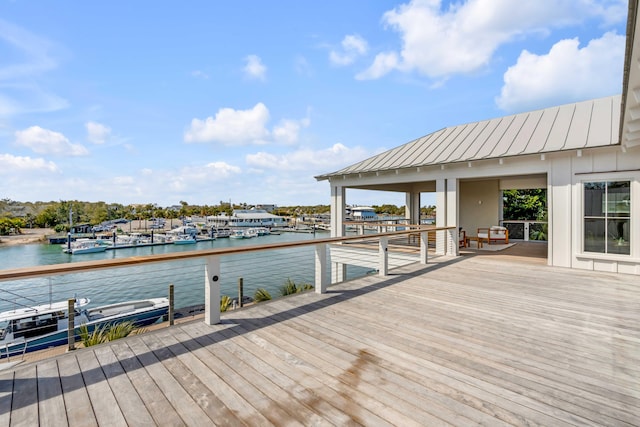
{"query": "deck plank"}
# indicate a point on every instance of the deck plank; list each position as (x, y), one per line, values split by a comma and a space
(79, 410)
(130, 403)
(24, 408)
(194, 378)
(6, 396)
(103, 400)
(50, 399)
(185, 404)
(152, 397)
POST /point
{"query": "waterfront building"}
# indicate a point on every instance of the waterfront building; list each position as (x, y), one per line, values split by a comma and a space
(246, 218)
(585, 155)
(363, 213)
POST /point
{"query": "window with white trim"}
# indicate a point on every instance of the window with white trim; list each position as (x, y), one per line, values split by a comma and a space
(607, 217)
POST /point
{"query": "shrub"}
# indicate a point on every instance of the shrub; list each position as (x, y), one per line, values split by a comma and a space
(290, 288)
(225, 302)
(261, 294)
(107, 332)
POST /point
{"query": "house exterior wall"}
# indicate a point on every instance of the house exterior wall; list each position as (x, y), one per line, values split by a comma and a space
(606, 165)
(483, 180)
(479, 204)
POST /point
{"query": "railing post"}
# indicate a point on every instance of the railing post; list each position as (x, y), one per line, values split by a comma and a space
(212, 290)
(526, 231)
(424, 246)
(71, 324)
(171, 300)
(240, 291)
(383, 264)
(321, 268)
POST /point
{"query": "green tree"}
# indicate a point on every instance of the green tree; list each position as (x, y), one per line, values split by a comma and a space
(525, 204)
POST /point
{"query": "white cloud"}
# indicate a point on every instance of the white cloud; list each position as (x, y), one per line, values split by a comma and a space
(462, 38)
(310, 161)
(97, 133)
(231, 127)
(244, 127)
(254, 68)
(287, 131)
(353, 46)
(567, 73)
(10, 164)
(382, 64)
(44, 141)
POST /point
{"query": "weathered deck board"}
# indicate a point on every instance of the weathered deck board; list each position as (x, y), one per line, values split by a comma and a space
(466, 341)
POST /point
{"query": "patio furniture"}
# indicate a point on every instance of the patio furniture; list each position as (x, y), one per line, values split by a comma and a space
(470, 239)
(462, 238)
(494, 233)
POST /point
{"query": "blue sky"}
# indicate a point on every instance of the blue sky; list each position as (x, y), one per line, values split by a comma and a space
(247, 100)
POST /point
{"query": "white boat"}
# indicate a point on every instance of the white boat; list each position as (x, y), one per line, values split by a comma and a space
(184, 239)
(220, 232)
(237, 234)
(87, 246)
(41, 326)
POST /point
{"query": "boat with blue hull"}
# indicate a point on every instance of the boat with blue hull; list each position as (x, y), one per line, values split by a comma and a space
(38, 327)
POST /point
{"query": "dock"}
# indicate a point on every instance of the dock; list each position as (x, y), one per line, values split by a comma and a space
(471, 340)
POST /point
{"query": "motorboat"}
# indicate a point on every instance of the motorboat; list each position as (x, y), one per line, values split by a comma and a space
(237, 234)
(87, 246)
(184, 239)
(220, 232)
(32, 328)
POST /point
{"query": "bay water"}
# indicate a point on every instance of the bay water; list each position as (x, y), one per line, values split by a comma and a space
(267, 270)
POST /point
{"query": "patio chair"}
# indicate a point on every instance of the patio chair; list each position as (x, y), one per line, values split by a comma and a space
(494, 233)
(462, 238)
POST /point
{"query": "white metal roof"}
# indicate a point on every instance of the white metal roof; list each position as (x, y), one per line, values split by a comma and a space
(586, 124)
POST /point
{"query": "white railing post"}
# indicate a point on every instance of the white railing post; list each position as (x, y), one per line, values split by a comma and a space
(424, 246)
(212, 290)
(526, 231)
(383, 264)
(452, 242)
(321, 268)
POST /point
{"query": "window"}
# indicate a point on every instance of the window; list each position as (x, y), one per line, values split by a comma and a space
(607, 213)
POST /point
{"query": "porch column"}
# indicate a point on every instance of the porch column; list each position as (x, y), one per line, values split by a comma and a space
(338, 205)
(212, 290)
(441, 214)
(452, 216)
(412, 208)
(337, 210)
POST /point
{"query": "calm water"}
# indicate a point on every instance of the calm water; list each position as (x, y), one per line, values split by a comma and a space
(268, 270)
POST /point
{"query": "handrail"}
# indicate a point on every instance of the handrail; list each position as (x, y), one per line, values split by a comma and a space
(75, 267)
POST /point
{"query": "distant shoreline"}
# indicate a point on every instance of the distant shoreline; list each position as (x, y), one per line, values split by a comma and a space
(28, 236)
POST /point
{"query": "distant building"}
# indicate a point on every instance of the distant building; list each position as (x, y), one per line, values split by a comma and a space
(247, 218)
(363, 213)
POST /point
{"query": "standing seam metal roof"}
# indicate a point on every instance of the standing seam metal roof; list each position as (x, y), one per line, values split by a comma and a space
(587, 124)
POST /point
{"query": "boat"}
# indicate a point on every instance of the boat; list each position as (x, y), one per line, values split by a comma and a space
(87, 246)
(237, 234)
(220, 232)
(184, 239)
(32, 328)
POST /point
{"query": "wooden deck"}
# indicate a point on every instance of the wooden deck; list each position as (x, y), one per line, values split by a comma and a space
(467, 341)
